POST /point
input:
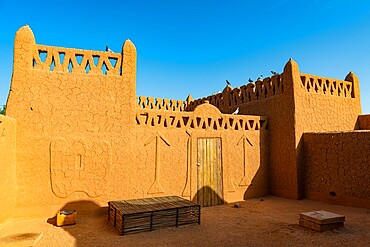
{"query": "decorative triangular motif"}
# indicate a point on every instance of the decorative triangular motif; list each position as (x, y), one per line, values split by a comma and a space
(244, 182)
(156, 188)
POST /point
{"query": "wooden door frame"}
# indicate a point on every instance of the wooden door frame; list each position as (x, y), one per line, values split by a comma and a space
(220, 178)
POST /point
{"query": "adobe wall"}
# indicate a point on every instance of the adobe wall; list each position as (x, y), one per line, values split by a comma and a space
(337, 165)
(67, 107)
(244, 142)
(323, 104)
(7, 166)
(295, 103)
(83, 135)
(272, 97)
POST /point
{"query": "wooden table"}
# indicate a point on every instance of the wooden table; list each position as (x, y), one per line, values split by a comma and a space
(148, 214)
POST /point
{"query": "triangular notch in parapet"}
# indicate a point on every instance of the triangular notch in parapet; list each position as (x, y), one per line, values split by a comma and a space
(43, 55)
(113, 61)
(263, 124)
(79, 58)
(61, 57)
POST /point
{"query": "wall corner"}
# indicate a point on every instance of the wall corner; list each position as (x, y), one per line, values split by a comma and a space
(129, 72)
(24, 43)
(292, 82)
(291, 76)
(129, 61)
(352, 77)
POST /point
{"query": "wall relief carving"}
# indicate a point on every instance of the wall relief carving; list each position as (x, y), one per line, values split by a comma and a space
(78, 168)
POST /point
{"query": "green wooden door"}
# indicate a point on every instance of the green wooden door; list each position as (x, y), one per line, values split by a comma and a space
(209, 164)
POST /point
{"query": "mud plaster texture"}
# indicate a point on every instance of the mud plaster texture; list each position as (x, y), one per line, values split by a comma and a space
(77, 134)
(8, 166)
(294, 103)
(337, 166)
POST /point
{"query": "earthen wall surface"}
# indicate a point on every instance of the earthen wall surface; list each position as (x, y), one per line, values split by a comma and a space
(323, 104)
(295, 103)
(7, 166)
(178, 134)
(68, 119)
(272, 97)
(333, 107)
(337, 167)
(83, 135)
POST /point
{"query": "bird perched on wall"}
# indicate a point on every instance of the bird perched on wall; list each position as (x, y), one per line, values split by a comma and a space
(260, 78)
(107, 49)
(236, 111)
(250, 80)
(274, 73)
(228, 83)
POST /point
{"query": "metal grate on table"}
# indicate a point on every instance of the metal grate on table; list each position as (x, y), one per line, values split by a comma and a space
(148, 214)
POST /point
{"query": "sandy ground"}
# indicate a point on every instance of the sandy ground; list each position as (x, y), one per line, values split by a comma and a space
(272, 221)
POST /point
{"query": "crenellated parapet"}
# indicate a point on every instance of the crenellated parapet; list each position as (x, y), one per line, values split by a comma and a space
(232, 97)
(270, 87)
(151, 103)
(327, 86)
(68, 60)
(29, 55)
(102, 80)
(212, 119)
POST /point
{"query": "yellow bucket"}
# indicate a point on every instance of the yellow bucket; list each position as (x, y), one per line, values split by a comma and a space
(66, 217)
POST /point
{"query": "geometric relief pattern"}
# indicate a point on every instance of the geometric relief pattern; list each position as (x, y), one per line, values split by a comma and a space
(78, 168)
(190, 121)
(246, 180)
(161, 104)
(187, 189)
(327, 86)
(156, 187)
(67, 60)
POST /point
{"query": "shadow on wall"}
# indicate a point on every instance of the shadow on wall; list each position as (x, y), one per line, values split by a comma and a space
(363, 122)
(260, 183)
(258, 187)
(301, 169)
(206, 197)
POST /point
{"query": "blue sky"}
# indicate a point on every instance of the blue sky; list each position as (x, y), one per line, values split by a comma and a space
(192, 47)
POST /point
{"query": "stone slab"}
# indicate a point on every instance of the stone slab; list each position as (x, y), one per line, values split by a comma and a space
(322, 217)
(320, 227)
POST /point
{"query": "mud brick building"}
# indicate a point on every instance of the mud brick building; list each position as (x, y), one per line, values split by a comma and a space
(75, 130)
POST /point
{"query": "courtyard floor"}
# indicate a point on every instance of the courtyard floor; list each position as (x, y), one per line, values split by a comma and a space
(267, 221)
